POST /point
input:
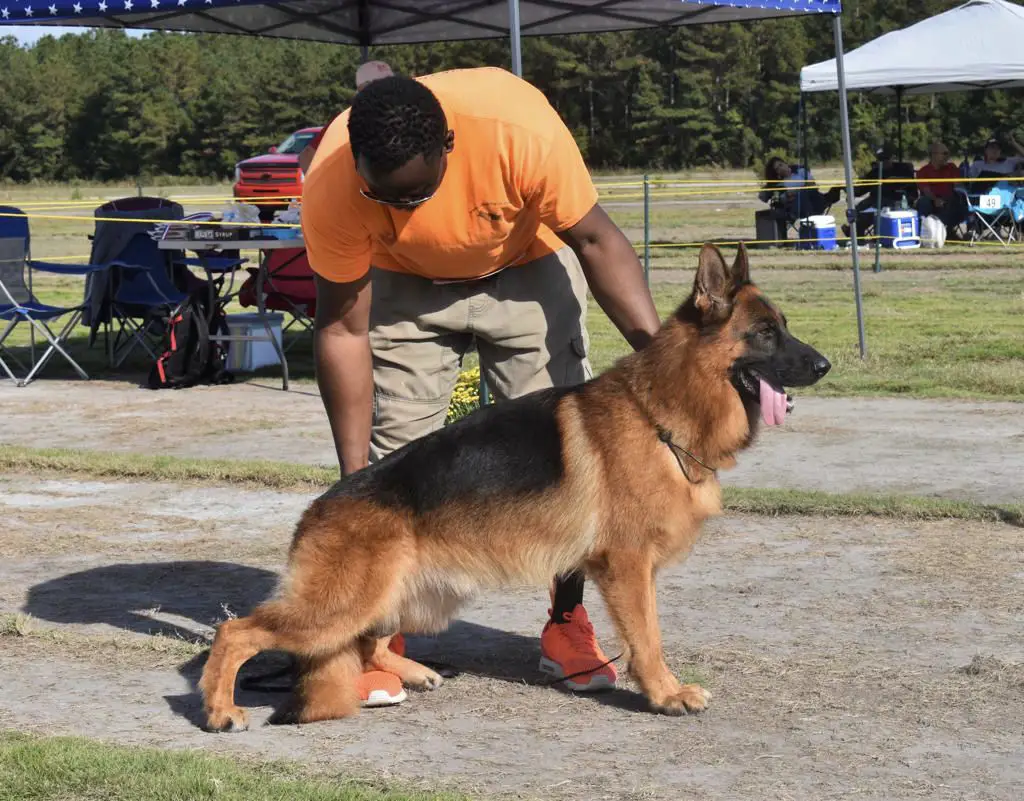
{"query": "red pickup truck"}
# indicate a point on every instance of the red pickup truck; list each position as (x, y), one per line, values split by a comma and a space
(273, 175)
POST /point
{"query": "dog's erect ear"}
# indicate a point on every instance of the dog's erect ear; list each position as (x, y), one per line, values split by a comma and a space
(741, 268)
(712, 288)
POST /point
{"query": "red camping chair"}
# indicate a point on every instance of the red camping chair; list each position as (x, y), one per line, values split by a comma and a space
(286, 283)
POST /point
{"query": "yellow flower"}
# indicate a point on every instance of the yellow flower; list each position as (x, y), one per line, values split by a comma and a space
(465, 396)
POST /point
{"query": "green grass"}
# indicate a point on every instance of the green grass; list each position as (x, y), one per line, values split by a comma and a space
(102, 464)
(74, 769)
(290, 476)
(946, 335)
(897, 507)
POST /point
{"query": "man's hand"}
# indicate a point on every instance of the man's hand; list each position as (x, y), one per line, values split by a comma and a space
(615, 276)
(344, 366)
(306, 158)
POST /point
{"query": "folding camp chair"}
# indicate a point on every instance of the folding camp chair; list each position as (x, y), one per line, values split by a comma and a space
(19, 304)
(142, 299)
(145, 292)
(993, 213)
(284, 282)
(142, 284)
(117, 222)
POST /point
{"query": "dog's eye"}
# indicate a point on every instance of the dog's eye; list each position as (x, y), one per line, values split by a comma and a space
(766, 337)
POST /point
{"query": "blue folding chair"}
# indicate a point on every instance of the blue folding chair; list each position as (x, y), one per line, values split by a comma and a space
(19, 304)
(145, 296)
(993, 213)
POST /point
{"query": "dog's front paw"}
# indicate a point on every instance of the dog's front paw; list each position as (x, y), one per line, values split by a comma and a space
(232, 718)
(422, 678)
(689, 698)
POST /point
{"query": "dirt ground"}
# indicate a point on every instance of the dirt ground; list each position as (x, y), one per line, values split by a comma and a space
(955, 449)
(848, 658)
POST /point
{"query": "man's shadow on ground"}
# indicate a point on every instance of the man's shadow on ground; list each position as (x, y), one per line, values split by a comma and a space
(171, 598)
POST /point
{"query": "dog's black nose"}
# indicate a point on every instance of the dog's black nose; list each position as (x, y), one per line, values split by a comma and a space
(821, 366)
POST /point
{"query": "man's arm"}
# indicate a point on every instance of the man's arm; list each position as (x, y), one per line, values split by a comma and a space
(615, 276)
(306, 158)
(344, 367)
(925, 188)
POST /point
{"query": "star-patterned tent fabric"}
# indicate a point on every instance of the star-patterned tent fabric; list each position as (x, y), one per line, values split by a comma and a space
(365, 22)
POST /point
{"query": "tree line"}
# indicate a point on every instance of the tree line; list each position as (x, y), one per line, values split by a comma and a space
(105, 106)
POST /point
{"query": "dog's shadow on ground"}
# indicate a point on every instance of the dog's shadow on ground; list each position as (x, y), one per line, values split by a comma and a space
(184, 599)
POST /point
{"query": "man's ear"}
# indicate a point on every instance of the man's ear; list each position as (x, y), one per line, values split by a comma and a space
(712, 286)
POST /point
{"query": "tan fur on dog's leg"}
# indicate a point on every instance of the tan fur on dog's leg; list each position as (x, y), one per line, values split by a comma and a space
(377, 655)
(236, 642)
(626, 581)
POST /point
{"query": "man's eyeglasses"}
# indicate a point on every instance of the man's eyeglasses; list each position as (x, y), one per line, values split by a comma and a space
(411, 203)
(398, 204)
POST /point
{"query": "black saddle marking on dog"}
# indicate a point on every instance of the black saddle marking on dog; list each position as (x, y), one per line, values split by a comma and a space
(510, 448)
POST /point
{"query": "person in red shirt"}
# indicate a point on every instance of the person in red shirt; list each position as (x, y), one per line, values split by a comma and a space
(937, 195)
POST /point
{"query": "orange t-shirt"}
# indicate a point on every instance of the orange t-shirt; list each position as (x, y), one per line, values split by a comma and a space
(514, 177)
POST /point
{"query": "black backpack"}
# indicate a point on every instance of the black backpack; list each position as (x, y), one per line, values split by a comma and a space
(189, 356)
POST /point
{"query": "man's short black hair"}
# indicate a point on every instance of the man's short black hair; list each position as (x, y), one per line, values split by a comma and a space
(393, 120)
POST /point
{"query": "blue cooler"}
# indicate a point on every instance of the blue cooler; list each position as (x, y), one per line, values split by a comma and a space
(899, 228)
(817, 233)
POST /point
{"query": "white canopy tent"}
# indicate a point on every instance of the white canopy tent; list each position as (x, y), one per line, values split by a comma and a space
(973, 46)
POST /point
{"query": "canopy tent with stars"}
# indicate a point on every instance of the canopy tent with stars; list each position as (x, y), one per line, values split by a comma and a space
(367, 23)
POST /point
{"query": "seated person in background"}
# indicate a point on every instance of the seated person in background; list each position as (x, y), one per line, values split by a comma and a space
(894, 190)
(367, 73)
(938, 197)
(791, 191)
(994, 165)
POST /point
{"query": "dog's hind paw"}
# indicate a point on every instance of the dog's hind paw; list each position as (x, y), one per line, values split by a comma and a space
(232, 719)
(288, 715)
(690, 698)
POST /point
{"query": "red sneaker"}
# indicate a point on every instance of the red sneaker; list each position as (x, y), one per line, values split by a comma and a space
(377, 688)
(570, 649)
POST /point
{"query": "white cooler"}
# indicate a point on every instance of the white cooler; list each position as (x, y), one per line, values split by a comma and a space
(245, 356)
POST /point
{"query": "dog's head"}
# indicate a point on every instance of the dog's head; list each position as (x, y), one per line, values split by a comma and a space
(763, 357)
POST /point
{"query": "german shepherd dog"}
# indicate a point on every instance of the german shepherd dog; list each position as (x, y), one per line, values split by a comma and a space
(614, 477)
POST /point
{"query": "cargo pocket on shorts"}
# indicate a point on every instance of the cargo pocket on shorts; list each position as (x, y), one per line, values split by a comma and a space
(577, 368)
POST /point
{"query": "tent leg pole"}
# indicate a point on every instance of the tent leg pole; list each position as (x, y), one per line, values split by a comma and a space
(803, 130)
(851, 214)
(517, 68)
(878, 216)
(514, 37)
(899, 122)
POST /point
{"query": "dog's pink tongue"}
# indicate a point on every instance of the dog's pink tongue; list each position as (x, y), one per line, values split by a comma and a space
(773, 404)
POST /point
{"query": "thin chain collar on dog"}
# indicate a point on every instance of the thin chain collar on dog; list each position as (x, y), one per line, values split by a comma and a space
(666, 436)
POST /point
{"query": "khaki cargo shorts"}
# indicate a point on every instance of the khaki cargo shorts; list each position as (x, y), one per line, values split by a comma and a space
(529, 324)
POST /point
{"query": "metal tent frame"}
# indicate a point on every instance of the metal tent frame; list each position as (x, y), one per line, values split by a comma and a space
(382, 22)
